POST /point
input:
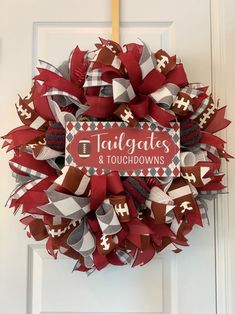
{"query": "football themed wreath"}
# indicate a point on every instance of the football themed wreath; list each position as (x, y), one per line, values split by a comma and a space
(116, 155)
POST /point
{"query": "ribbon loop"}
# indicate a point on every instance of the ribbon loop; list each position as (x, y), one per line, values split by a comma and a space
(107, 219)
(82, 241)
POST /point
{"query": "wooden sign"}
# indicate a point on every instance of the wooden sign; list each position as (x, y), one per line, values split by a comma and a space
(102, 147)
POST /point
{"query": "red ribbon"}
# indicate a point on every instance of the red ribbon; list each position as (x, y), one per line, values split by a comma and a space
(77, 64)
(101, 185)
(160, 114)
(133, 69)
(100, 107)
(219, 122)
(98, 190)
(177, 76)
(152, 82)
(143, 257)
(212, 140)
(41, 103)
(20, 136)
(140, 106)
(54, 80)
(28, 161)
(109, 73)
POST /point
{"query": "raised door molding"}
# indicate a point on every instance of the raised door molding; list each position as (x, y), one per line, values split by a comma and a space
(45, 296)
(48, 35)
(218, 66)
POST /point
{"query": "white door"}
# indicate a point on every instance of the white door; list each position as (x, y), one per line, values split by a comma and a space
(30, 281)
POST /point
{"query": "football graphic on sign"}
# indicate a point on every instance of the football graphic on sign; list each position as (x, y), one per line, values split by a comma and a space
(84, 148)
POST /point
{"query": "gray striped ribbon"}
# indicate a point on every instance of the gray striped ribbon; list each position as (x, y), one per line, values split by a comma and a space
(83, 241)
(65, 205)
(108, 219)
(147, 61)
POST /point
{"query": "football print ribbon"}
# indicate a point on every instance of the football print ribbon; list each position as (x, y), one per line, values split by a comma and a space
(161, 206)
(182, 196)
(27, 114)
(196, 175)
(74, 180)
(106, 244)
(120, 205)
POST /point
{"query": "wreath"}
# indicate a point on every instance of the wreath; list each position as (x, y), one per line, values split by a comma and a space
(97, 218)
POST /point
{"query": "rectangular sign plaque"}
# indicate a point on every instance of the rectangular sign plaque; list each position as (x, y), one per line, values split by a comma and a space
(101, 147)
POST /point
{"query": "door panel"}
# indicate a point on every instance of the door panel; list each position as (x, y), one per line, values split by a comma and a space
(30, 281)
